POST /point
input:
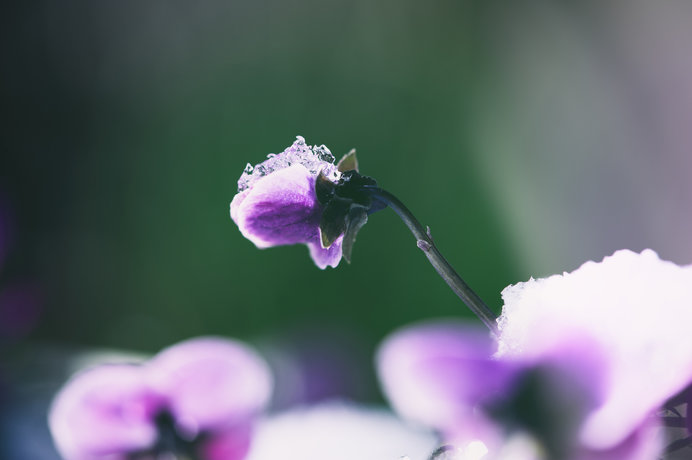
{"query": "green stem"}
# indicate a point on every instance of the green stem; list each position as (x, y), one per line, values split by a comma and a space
(443, 268)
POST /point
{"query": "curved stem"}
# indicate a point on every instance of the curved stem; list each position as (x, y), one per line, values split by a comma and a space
(443, 268)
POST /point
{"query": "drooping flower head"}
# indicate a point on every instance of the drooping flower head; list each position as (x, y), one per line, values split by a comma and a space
(583, 364)
(197, 399)
(292, 198)
(299, 196)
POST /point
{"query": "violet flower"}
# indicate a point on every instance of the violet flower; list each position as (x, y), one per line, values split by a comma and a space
(277, 202)
(584, 363)
(195, 400)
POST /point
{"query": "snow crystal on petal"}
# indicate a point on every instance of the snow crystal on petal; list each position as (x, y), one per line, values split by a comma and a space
(314, 158)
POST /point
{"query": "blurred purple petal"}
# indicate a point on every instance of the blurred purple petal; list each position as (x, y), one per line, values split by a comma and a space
(644, 443)
(211, 383)
(445, 376)
(439, 373)
(104, 411)
(635, 309)
(230, 444)
(200, 394)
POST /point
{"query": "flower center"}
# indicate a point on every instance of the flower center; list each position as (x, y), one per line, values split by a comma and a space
(170, 444)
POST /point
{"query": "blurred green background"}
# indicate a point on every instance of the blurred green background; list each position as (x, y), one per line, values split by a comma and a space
(135, 121)
(529, 137)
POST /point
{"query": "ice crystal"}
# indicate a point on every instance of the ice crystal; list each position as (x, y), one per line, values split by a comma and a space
(314, 158)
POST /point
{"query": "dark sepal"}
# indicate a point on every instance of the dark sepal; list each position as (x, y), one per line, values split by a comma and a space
(352, 186)
(333, 221)
(377, 205)
(347, 204)
(324, 189)
(348, 162)
(357, 217)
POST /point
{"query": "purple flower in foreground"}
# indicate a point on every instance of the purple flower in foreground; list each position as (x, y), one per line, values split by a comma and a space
(584, 362)
(197, 399)
(277, 203)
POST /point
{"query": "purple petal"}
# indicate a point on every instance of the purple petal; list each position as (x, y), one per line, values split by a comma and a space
(211, 383)
(330, 256)
(104, 411)
(281, 208)
(437, 373)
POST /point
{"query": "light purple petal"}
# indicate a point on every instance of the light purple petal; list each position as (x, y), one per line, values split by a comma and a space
(330, 256)
(438, 373)
(281, 208)
(634, 308)
(105, 411)
(211, 383)
(644, 443)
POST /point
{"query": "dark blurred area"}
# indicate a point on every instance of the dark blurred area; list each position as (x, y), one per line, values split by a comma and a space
(530, 138)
